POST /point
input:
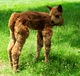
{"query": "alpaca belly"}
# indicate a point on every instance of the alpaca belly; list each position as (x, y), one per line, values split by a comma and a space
(36, 25)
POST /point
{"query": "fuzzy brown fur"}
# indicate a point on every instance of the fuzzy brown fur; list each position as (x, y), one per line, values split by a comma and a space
(19, 25)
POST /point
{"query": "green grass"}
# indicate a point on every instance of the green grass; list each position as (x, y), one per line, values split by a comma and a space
(65, 50)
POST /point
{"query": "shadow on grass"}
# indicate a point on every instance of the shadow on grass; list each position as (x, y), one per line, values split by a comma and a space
(57, 65)
(73, 38)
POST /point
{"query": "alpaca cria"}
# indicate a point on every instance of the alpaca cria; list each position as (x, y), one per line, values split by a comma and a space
(19, 25)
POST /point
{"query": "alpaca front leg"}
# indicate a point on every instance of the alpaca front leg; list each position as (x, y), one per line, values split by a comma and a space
(47, 34)
(39, 44)
(47, 47)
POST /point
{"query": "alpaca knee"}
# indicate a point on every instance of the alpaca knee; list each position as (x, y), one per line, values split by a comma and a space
(11, 44)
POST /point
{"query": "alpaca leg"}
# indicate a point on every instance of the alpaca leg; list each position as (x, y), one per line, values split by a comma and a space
(15, 54)
(47, 34)
(21, 33)
(39, 44)
(10, 46)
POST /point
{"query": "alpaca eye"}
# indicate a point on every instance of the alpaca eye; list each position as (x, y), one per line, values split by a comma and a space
(57, 16)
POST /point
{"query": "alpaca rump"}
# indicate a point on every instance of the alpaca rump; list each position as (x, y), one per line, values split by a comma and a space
(19, 25)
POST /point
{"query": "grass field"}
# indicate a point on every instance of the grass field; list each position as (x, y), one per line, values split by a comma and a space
(65, 50)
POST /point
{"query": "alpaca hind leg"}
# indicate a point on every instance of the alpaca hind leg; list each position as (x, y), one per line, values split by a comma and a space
(21, 33)
(10, 46)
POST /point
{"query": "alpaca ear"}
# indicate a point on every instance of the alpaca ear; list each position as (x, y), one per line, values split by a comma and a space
(60, 8)
(49, 7)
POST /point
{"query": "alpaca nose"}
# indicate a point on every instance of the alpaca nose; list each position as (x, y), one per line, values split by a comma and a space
(52, 22)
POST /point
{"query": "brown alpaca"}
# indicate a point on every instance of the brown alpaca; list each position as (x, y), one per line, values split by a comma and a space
(19, 25)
